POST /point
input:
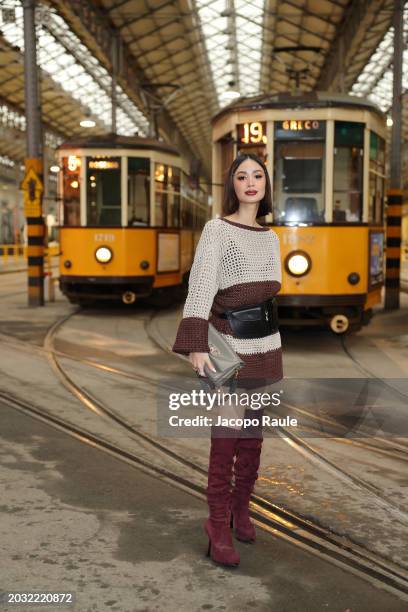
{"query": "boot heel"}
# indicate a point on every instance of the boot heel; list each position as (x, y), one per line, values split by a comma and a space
(232, 521)
(209, 548)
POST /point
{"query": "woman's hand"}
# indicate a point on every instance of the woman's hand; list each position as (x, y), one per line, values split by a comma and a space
(198, 361)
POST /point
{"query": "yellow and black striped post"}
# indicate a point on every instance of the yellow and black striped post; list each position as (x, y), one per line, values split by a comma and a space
(393, 252)
(394, 210)
(33, 180)
(33, 189)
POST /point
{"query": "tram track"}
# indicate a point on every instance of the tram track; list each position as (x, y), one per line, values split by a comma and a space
(399, 453)
(390, 449)
(268, 515)
(347, 351)
(300, 445)
(396, 451)
(277, 521)
(384, 446)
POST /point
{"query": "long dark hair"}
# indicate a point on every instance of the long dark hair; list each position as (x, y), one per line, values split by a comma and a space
(230, 202)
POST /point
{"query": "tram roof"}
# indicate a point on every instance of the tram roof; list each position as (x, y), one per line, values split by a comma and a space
(113, 141)
(313, 99)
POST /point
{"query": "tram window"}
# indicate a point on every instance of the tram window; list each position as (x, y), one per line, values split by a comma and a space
(103, 191)
(138, 191)
(227, 154)
(348, 134)
(376, 199)
(377, 178)
(71, 190)
(167, 195)
(302, 175)
(348, 171)
(259, 150)
(186, 213)
(173, 197)
(299, 181)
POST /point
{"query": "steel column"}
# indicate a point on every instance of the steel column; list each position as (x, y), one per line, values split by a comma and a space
(33, 181)
(393, 253)
(114, 83)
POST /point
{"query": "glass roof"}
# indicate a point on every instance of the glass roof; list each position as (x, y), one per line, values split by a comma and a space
(233, 40)
(11, 118)
(375, 81)
(233, 34)
(6, 161)
(70, 64)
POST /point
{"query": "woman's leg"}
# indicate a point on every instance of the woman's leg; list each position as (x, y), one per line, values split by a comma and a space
(248, 457)
(219, 498)
(246, 473)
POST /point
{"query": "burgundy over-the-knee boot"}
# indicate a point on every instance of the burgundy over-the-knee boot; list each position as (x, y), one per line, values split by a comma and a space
(248, 455)
(220, 545)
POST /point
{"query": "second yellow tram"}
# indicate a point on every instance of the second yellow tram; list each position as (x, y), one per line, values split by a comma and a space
(326, 156)
(131, 216)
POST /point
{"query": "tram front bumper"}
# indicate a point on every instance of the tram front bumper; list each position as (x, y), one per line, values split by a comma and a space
(314, 309)
(105, 287)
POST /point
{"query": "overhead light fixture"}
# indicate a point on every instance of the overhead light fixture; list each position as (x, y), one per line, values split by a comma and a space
(87, 123)
(389, 122)
(230, 94)
(55, 168)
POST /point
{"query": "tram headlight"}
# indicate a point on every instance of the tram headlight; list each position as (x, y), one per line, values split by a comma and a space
(103, 254)
(298, 263)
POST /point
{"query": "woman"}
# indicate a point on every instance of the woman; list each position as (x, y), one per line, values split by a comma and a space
(237, 263)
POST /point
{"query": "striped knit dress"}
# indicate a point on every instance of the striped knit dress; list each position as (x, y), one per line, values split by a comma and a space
(234, 265)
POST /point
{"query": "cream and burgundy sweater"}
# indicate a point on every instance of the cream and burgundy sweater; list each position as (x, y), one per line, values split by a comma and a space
(234, 265)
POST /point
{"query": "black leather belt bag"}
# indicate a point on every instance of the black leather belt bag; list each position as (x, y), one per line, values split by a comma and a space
(253, 321)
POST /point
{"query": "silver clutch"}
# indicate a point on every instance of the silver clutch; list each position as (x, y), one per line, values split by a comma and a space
(223, 357)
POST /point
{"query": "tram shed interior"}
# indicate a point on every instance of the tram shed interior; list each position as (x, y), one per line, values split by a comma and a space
(115, 141)
(76, 63)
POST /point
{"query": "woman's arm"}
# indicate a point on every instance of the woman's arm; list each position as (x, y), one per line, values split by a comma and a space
(192, 334)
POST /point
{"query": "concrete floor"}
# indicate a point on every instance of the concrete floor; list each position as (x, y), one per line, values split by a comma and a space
(74, 519)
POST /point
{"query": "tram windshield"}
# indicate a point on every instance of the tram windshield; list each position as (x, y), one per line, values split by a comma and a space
(103, 191)
(299, 181)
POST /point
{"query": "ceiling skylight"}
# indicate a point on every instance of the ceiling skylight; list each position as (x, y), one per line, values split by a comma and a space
(233, 40)
(375, 81)
(69, 63)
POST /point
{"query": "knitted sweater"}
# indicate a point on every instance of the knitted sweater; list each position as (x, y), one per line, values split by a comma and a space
(234, 265)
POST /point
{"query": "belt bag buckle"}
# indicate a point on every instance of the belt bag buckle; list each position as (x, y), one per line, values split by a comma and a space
(256, 321)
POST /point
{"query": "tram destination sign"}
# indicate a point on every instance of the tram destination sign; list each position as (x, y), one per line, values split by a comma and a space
(252, 133)
(299, 128)
(103, 164)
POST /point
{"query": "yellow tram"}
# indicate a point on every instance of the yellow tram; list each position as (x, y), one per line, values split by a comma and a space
(326, 157)
(130, 218)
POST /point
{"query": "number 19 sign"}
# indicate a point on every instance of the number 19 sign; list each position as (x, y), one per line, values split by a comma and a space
(252, 133)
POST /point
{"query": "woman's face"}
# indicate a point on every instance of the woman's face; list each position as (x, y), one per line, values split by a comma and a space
(249, 182)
